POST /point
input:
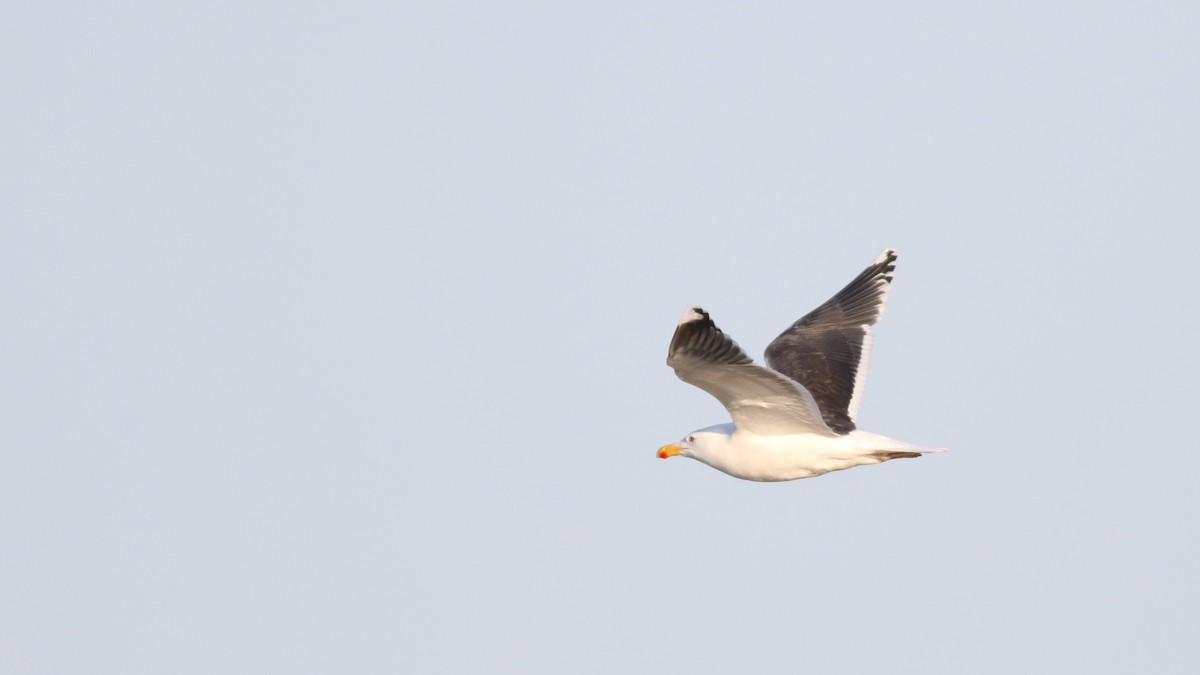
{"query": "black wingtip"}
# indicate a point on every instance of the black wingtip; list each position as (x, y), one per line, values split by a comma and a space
(885, 264)
(698, 336)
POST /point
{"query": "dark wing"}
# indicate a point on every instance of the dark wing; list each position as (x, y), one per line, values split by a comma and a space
(759, 400)
(829, 349)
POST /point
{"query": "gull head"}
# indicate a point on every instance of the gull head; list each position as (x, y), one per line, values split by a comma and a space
(698, 443)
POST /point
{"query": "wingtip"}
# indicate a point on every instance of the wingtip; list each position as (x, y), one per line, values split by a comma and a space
(692, 313)
(887, 262)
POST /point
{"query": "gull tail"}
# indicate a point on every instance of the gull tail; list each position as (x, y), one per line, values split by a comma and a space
(905, 451)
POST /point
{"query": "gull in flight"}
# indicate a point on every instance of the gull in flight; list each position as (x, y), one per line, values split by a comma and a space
(796, 417)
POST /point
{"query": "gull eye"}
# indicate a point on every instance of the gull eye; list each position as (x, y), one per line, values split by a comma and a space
(691, 439)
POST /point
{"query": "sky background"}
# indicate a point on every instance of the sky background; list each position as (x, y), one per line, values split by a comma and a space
(333, 335)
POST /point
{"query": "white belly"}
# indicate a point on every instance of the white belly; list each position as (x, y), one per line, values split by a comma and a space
(779, 458)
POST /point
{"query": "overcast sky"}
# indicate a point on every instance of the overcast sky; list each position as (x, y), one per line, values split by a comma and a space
(333, 335)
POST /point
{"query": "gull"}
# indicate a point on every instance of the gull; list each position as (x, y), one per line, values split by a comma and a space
(794, 418)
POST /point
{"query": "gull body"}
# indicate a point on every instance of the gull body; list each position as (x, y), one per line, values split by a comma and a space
(796, 418)
(791, 456)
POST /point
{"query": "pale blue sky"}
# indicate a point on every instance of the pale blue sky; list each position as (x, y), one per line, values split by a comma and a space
(334, 335)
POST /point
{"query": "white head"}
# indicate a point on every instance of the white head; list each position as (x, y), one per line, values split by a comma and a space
(700, 444)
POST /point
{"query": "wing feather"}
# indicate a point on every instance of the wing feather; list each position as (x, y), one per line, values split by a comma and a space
(758, 399)
(828, 350)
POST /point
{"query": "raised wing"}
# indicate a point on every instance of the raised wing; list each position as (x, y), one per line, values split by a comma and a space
(828, 350)
(759, 400)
